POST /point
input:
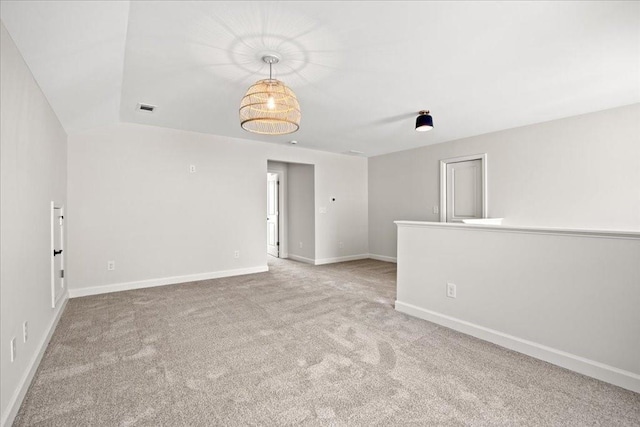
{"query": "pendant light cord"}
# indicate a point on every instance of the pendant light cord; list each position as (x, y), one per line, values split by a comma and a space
(270, 65)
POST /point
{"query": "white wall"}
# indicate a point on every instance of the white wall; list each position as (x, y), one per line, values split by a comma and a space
(33, 166)
(569, 299)
(131, 199)
(578, 172)
(341, 194)
(301, 212)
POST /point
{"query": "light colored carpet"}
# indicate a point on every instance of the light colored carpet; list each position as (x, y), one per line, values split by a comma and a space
(297, 345)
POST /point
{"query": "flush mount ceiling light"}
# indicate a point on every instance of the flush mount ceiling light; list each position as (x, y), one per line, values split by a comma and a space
(424, 121)
(270, 107)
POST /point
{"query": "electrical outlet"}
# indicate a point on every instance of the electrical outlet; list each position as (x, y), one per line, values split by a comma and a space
(236, 254)
(192, 168)
(451, 290)
(25, 331)
(436, 210)
(13, 349)
(111, 265)
(340, 245)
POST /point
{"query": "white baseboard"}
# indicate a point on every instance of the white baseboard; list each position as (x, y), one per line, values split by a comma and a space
(301, 259)
(383, 258)
(117, 287)
(341, 259)
(610, 374)
(25, 381)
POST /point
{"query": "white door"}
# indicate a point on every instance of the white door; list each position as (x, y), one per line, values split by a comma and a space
(464, 190)
(57, 253)
(273, 237)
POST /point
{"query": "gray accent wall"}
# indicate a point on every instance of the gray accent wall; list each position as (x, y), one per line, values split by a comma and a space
(577, 172)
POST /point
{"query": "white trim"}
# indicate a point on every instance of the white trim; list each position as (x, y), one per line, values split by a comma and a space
(301, 259)
(53, 262)
(341, 259)
(54, 230)
(443, 182)
(281, 168)
(328, 260)
(384, 258)
(610, 234)
(610, 374)
(279, 213)
(18, 396)
(118, 287)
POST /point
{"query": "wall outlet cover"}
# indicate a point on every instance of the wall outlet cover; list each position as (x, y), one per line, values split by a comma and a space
(451, 290)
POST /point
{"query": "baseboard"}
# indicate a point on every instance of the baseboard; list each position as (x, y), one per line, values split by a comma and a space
(341, 259)
(301, 259)
(25, 382)
(118, 287)
(591, 368)
(384, 258)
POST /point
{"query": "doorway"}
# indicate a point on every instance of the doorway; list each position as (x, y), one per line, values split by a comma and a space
(463, 188)
(294, 230)
(273, 214)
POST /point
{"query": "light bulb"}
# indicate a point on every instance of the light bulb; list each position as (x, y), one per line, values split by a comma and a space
(271, 103)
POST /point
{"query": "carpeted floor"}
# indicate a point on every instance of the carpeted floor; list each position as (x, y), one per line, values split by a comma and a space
(297, 345)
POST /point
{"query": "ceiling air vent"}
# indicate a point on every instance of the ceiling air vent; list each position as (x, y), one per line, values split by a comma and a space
(147, 108)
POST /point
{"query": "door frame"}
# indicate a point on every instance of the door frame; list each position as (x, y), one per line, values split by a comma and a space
(277, 210)
(443, 182)
(282, 202)
(57, 207)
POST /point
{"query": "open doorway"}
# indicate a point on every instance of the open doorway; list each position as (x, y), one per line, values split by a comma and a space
(277, 209)
(273, 214)
(290, 211)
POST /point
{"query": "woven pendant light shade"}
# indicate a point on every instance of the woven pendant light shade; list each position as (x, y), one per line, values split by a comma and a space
(270, 108)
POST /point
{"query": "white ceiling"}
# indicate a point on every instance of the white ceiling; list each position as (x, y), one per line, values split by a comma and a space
(361, 70)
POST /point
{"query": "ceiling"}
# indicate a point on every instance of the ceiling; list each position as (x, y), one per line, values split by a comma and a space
(361, 70)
